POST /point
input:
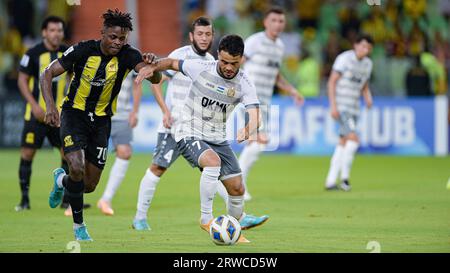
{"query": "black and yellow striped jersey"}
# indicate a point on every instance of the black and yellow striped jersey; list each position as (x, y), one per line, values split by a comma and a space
(33, 63)
(97, 78)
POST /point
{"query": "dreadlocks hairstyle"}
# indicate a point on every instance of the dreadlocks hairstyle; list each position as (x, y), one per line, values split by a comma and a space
(113, 18)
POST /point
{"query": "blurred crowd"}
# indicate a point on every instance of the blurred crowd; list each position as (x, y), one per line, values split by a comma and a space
(20, 29)
(412, 38)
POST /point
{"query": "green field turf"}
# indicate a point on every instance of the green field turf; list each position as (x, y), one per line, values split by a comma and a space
(400, 202)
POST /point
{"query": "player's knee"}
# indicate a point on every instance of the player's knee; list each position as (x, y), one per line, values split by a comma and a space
(124, 152)
(157, 170)
(27, 154)
(76, 170)
(210, 159)
(353, 137)
(236, 189)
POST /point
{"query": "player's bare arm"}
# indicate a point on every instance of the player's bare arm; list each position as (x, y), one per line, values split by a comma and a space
(158, 93)
(153, 78)
(367, 95)
(160, 65)
(249, 132)
(137, 95)
(283, 84)
(24, 88)
(332, 81)
(53, 70)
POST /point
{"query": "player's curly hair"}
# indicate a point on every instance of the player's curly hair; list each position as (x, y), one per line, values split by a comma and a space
(113, 18)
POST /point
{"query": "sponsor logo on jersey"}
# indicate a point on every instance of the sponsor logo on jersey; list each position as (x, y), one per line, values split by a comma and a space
(214, 105)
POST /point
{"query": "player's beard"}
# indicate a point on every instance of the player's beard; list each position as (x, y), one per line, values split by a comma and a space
(199, 50)
(222, 74)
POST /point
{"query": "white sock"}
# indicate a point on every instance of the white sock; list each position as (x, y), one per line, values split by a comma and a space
(75, 225)
(248, 157)
(59, 180)
(347, 159)
(335, 166)
(235, 206)
(222, 191)
(146, 192)
(116, 176)
(208, 188)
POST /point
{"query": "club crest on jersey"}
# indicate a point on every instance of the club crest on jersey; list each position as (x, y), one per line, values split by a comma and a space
(112, 67)
(29, 138)
(68, 141)
(231, 92)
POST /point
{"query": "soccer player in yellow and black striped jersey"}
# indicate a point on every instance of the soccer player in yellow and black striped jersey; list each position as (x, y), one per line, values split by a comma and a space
(99, 67)
(35, 60)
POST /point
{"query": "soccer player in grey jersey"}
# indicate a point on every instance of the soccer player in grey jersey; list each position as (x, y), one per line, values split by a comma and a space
(263, 57)
(348, 80)
(166, 152)
(217, 87)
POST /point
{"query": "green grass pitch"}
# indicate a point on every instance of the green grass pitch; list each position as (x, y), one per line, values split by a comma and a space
(400, 202)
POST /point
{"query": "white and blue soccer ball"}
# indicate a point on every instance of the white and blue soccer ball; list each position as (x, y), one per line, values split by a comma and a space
(225, 230)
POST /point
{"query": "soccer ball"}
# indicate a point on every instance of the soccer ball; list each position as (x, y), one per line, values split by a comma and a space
(225, 230)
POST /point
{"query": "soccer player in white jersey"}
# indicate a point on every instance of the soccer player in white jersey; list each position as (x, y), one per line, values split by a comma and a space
(263, 57)
(348, 80)
(166, 152)
(122, 124)
(217, 87)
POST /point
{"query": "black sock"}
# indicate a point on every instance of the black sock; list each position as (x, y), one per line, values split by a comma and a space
(74, 191)
(65, 166)
(24, 179)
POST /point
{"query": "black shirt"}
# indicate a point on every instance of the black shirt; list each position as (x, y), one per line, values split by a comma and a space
(97, 78)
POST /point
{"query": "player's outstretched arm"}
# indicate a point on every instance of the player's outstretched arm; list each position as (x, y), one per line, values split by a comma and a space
(249, 132)
(367, 95)
(283, 84)
(54, 69)
(148, 70)
(334, 77)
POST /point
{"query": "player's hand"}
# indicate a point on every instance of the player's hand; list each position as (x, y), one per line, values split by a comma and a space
(167, 120)
(149, 58)
(334, 113)
(262, 138)
(369, 103)
(298, 99)
(133, 119)
(244, 135)
(144, 73)
(38, 113)
(52, 117)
